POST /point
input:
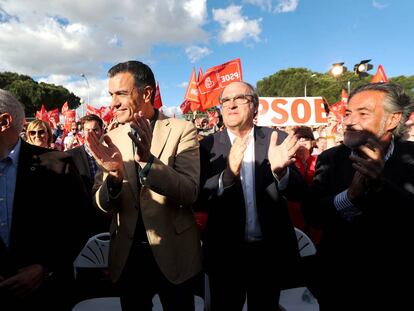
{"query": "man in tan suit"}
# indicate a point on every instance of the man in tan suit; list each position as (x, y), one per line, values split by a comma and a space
(150, 181)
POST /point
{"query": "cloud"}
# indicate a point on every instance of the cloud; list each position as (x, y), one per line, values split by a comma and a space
(69, 36)
(194, 53)
(183, 85)
(97, 91)
(172, 111)
(275, 6)
(379, 5)
(234, 26)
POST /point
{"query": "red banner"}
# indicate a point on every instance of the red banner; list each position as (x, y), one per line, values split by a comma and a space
(65, 108)
(70, 117)
(53, 116)
(215, 79)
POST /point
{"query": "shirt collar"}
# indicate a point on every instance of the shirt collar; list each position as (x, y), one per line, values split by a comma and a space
(249, 136)
(15, 152)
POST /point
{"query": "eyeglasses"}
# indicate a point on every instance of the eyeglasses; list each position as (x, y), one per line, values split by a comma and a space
(39, 132)
(240, 99)
(74, 129)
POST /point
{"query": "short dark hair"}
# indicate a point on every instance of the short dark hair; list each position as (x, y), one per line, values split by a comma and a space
(396, 101)
(143, 75)
(91, 117)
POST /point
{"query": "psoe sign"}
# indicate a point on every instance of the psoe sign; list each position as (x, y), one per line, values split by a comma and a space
(287, 111)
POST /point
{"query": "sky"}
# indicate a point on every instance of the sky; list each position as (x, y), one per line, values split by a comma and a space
(58, 41)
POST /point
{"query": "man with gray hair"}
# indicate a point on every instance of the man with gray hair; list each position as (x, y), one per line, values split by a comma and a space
(362, 198)
(38, 242)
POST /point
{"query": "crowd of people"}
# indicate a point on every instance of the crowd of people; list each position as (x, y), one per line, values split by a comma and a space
(349, 185)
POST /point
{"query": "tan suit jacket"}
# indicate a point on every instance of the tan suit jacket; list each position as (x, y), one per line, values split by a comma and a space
(165, 200)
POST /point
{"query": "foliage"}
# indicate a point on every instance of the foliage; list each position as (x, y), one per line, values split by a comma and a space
(291, 83)
(33, 94)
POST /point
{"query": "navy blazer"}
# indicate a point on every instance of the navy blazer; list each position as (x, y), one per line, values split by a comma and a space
(372, 251)
(225, 230)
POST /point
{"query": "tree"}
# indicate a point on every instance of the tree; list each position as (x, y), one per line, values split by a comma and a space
(33, 94)
(291, 82)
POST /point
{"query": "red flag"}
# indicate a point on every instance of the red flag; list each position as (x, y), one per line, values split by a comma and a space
(42, 114)
(379, 76)
(191, 93)
(70, 117)
(157, 99)
(64, 108)
(215, 79)
(109, 116)
(92, 110)
(53, 115)
(185, 106)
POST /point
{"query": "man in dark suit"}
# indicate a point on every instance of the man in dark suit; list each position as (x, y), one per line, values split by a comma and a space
(249, 238)
(40, 231)
(363, 199)
(86, 164)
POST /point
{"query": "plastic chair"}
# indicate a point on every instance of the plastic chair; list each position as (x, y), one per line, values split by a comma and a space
(299, 297)
(94, 254)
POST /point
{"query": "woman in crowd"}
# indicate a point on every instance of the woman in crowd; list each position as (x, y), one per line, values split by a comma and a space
(39, 133)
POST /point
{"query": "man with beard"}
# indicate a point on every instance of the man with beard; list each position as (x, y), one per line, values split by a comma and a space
(363, 197)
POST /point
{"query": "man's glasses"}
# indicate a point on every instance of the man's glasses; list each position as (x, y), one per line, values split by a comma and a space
(39, 132)
(240, 99)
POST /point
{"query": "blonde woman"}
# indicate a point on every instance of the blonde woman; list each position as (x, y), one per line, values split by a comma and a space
(39, 133)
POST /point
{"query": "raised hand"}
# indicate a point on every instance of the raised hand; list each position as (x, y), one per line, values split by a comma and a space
(369, 165)
(143, 137)
(109, 157)
(236, 155)
(281, 156)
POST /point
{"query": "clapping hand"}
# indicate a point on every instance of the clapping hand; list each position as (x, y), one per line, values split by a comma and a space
(143, 137)
(281, 156)
(369, 168)
(109, 157)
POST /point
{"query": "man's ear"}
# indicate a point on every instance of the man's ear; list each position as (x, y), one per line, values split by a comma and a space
(393, 120)
(5, 121)
(147, 93)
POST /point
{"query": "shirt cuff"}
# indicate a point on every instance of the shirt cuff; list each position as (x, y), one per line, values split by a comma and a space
(345, 207)
(114, 189)
(143, 174)
(284, 181)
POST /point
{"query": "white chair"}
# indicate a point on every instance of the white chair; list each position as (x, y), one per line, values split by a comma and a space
(300, 298)
(94, 254)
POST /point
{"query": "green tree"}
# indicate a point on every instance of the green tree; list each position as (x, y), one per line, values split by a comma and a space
(33, 94)
(291, 83)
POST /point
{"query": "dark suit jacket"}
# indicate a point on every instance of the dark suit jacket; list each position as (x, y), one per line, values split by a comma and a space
(362, 261)
(80, 158)
(46, 228)
(226, 220)
(97, 221)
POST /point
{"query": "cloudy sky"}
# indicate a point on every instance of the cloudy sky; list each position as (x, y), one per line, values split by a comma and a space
(57, 41)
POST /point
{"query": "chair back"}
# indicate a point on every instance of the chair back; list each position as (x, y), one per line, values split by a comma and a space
(94, 254)
(305, 244)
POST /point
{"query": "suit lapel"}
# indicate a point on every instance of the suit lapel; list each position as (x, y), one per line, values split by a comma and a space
(260, 154)
(160, 135)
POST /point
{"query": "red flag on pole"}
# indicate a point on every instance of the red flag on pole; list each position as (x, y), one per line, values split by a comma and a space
(185, 106)
(157, 99)
(379, 76)
(42, 114)
(191, 93)
(64, 108)
(215, 79)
